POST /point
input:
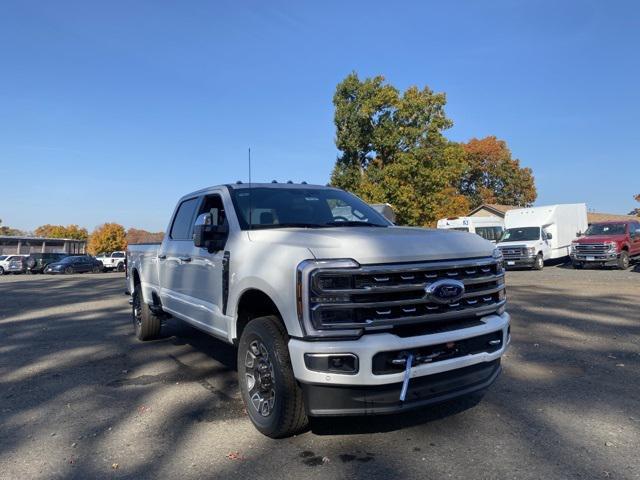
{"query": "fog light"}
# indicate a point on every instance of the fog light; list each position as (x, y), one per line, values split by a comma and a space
(346, 363)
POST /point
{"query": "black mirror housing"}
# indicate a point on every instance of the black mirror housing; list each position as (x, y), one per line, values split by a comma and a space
(207, 234)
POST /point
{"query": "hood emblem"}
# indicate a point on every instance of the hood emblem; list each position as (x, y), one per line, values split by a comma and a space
(445, 291)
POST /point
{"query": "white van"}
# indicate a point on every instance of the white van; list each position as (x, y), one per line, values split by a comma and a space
(489, 228)
(533, 235)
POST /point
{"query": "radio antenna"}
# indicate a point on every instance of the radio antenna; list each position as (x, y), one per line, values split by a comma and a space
(250, 195)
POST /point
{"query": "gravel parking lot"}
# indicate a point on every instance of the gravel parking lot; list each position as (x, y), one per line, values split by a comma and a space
(81, 398)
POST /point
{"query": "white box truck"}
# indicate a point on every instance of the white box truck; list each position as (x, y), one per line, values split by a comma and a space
(534, 235)
(489, 228)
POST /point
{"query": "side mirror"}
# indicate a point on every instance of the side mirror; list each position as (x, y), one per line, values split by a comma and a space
(549, 236)
(578, 234)
(208, 234)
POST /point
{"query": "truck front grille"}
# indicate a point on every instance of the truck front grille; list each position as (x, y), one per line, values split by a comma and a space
(591, 248)
(513, 253)
(378, 297)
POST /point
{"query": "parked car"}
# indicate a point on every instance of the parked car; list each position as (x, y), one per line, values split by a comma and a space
(113, 261)
(489, 228)
(607, 243)
(534, 235)
(334, 310)
(75, 264)
(37, 262)
(6, 262)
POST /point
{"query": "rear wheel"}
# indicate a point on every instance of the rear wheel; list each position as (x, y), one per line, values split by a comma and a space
(145, 323)
(97, 269)
(271, 395)
(538, 264)
(623, 260)
(120, 267)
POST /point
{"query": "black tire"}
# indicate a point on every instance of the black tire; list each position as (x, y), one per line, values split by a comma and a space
(145, 323)
(120, 267)
(275, 385)
(623, 260)
(97, 269)
(69, 270)
(578, 265)
(539, 262)
(1, 271)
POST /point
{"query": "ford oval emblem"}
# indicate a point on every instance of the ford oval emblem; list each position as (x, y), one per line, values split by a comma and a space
(445, 291)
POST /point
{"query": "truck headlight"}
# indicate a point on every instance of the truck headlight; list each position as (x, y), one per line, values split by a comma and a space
(319, 284)
(531, 251)
(573, 247)
(612, 246)
(497, 254)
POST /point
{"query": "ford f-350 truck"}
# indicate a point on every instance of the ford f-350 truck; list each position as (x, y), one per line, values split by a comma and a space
(333, 309)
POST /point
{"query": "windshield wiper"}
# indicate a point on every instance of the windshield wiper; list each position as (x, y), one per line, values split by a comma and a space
(352, 223)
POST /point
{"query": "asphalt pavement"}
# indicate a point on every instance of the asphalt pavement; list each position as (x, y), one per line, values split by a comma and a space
(81, 398)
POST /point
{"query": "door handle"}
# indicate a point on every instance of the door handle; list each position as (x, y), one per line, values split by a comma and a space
(184, 259)
(162, 257)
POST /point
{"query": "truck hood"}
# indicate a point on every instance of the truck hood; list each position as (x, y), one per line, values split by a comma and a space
(523, 243)
(371, 245)
(601, 239)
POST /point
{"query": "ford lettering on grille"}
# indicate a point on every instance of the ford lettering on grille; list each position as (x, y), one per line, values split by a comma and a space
(445, 291)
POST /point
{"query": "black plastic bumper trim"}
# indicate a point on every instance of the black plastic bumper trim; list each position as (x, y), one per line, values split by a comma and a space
(340, 400)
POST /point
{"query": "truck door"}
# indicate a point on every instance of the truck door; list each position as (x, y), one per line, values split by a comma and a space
(634, 236)
(206, 271)
(174, 256)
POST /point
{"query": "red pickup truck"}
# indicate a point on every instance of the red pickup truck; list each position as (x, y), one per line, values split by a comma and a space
(607, 243)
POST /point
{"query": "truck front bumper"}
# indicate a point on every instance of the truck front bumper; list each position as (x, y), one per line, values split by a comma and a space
(366, 392)
(600, 258)
(527, 261)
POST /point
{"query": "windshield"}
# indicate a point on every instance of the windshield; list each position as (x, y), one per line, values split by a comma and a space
(606, 229)
(521, 234)
(3, 257)
(302, 207)
(460, 229)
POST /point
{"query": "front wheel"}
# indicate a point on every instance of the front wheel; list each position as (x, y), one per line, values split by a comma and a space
(1, 271)
(68, 270)
(272, 397)
(539, 262)
(145, 323)
(578, 265)
(623, 260)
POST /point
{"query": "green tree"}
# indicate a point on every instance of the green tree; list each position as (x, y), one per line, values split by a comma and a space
(108, 237)
(493, 176)
(393, 150)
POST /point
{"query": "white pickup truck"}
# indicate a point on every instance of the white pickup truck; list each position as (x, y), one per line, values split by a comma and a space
(332, 314)
(113, 261)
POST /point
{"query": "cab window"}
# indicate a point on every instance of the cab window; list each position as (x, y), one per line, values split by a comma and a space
(182, 223)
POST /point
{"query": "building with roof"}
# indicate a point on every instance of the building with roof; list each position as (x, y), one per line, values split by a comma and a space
(16, 245)
(492, 209)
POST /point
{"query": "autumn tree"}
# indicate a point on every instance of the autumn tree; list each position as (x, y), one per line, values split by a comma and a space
(135, 235)
(493, 176)
(8, 231)
(60, 231)
(108, 237)
(636, 211)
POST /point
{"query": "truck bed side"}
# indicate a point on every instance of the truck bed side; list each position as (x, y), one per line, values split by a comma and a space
(142, 266)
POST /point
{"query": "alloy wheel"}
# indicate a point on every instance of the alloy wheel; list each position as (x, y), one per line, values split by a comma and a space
(260, 378)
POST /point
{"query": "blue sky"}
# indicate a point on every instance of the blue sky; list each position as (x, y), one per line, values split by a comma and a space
(109, 111)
